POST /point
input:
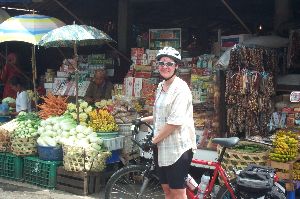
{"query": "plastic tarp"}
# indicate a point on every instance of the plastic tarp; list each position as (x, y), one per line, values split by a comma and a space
(272, 41)
(3, 15)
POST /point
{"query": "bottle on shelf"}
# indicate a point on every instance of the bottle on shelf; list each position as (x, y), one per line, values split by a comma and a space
(203, 185)
(191, 183)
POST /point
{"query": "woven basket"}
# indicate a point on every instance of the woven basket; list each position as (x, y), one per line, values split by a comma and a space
(24, 146)
(78, 159)
(236, 159)
(5, 143)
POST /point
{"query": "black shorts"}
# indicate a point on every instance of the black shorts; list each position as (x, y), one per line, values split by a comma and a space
(175, 174)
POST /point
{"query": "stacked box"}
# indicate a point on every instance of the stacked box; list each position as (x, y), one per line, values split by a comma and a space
(11, 166)
(39, 172)
(81, 183)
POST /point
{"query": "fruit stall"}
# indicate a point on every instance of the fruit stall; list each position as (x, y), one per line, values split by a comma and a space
(50, 149)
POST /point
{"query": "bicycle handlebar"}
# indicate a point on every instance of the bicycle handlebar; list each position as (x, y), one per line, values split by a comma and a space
(147, 141)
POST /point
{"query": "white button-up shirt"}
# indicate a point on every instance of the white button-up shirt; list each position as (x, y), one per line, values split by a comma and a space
(174, 107)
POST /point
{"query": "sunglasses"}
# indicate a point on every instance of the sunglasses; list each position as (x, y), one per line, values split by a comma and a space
(168, 64)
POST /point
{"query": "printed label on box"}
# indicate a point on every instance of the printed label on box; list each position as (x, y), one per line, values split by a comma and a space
(138, 85)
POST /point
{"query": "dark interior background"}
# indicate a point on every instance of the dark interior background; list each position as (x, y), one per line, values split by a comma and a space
(199, 20)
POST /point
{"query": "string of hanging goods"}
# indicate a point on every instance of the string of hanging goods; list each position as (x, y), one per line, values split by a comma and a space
(249, 89)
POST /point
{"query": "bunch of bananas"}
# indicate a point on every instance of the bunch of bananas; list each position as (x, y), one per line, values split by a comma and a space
(285, 146)
(296, 171)
(101, 120)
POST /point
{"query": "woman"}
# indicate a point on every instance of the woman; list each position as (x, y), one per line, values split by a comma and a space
(10, 69)
(174, 132)
(23, 103)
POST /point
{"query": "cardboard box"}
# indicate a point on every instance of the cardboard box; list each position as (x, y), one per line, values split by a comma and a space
(62, 74)
(231, 40)
(48, 85)
(128, 83)
(138, 84)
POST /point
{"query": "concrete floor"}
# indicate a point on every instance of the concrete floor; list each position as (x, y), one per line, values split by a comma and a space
(18, 190)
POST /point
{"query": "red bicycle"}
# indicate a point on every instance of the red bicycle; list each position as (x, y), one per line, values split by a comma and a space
(140, 180)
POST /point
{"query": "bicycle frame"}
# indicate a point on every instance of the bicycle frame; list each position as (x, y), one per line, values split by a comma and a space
(217, 171)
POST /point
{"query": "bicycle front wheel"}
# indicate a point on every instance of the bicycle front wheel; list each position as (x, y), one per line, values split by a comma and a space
(130, 183)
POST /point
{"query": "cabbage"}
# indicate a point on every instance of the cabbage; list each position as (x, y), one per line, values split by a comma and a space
(56, 127)
(65, 134)
(80, 135)
(88, 131)
(83, 143)
(41, 141)
(50, 141)
(48, 127)
(94, 139)
(80, 128)
(41, 130)
(95, 146)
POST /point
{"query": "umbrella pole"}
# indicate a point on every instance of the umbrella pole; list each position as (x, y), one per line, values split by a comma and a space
(76, 82)
(33, 63)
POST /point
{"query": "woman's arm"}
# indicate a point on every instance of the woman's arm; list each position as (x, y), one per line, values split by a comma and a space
(148, 119)
(165, 131)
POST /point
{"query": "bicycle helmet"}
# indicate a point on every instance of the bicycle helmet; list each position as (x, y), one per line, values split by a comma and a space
(169, 52)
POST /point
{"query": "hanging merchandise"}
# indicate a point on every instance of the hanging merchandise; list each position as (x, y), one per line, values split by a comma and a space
(249, 88)
(293, 60)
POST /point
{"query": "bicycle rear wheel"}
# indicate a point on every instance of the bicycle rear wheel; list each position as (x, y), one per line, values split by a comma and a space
(127, 182)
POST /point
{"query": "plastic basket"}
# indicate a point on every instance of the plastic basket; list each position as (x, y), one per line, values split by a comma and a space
(115, 157)
(107, 134)
(39, 172)
(114, 143)
(50, 153)
(11, 166)
(4, 118)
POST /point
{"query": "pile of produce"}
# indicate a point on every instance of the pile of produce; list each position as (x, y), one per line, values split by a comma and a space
(104, 104)
(285, 146)
(27, 125)
(102, 121)
(52, 106)
(124, 112)
(8, 100)
(82, 136)
(296, 171)
(84, 110)
(250, 148)
(10, 126)
(54, 129)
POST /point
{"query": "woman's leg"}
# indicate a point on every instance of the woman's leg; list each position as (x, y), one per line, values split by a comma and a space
(178, 193)
(167, 191)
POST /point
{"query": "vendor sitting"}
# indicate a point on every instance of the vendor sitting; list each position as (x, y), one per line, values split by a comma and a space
(23, 102)
(100, 88)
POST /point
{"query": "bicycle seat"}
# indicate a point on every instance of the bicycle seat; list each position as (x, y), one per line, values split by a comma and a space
(226, 142)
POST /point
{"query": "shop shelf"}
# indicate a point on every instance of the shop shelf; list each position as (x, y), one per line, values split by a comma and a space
(11, 166)
(39, 172)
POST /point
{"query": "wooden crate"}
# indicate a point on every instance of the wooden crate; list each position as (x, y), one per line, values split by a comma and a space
(80, 183)
(284, 171)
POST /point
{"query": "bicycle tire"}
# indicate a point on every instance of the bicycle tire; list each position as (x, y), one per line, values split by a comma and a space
(223, 193)
(126, 183)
